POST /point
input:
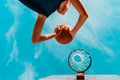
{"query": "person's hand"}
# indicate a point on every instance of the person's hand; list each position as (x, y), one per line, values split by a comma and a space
(58, 29)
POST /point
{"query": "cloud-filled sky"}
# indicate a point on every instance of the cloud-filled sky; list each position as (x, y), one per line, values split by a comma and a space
(22, 60)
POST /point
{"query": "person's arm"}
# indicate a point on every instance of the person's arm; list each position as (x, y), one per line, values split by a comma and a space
(37, 37)
(82, 17)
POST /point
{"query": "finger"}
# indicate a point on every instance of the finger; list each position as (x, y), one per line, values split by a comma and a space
(55, 29)
(59, 32)
(59, 25)
(62, 26)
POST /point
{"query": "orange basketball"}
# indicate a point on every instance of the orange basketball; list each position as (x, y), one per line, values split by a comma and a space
(64, 37)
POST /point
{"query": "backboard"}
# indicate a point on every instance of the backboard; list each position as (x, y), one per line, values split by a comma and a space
(87, 77)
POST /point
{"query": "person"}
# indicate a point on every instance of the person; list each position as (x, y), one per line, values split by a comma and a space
(45, 8)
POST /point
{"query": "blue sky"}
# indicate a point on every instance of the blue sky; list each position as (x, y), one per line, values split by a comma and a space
(22, 60)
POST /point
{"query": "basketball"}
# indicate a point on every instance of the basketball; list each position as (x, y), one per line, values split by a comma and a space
(64, 37)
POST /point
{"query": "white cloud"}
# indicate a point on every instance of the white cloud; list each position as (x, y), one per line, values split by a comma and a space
(29, 73)
(37, 52)
(14, 53)
(15, 9)
(109, 51)
(11, 32)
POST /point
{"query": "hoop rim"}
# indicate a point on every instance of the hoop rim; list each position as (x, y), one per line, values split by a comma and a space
(72, 67)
